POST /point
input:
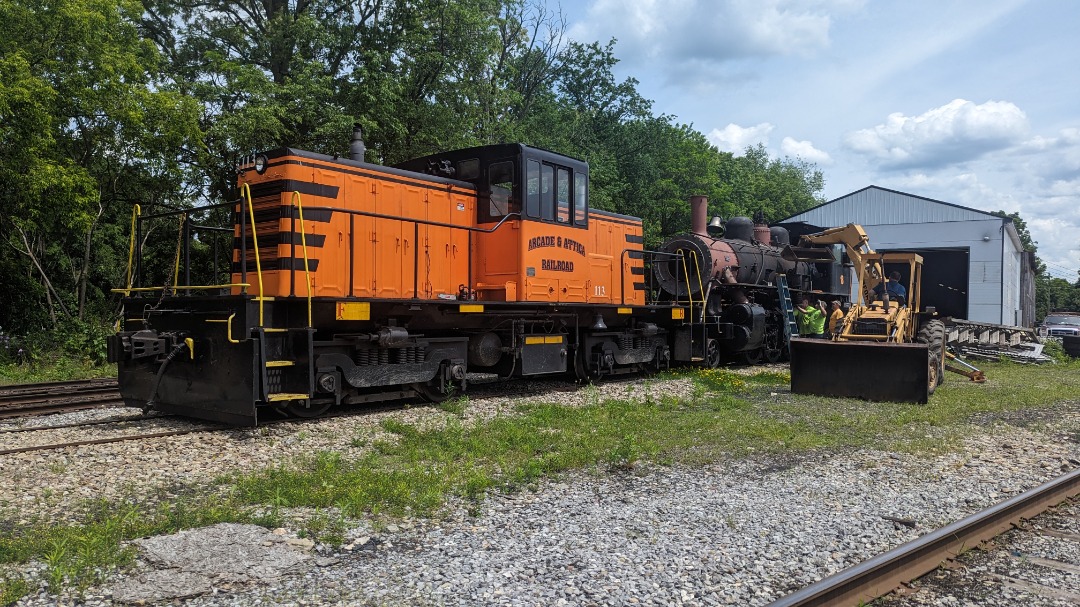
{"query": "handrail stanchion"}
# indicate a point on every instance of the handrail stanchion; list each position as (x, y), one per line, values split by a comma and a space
(303, 243)
(245, 191)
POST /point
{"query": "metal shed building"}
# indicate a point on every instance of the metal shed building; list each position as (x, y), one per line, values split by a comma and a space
(973, 260)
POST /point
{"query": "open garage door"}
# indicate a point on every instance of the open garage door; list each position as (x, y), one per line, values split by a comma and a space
(945, 280)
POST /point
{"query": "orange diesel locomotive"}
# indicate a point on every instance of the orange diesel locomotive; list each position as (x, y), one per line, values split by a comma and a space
(352, 282)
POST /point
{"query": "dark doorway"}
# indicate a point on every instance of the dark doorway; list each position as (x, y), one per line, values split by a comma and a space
(945, 280)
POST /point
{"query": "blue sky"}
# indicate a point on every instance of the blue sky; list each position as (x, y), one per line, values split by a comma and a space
(973, 102)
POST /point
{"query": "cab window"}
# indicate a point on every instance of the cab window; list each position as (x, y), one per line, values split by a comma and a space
(532, 192)
(562, 191)
(547, 192)
(501, 186)
(581, 212)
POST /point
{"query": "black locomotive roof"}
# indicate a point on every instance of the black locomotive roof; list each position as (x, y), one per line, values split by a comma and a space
(394, 170)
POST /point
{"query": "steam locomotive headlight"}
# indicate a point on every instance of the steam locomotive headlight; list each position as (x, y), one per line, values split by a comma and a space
(261, 161)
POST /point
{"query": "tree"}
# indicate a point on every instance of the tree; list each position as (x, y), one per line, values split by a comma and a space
(84, 121)
(776, 187)
(1026, 240)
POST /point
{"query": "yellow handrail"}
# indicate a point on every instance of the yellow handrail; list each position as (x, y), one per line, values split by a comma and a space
(136, 212)
(700, 285)
(303, 242)
(245, 191)
(228, 327)
(686, 275)
(179, 247)
(181, 288)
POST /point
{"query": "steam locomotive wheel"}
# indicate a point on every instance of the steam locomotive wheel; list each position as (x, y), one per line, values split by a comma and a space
(753, 357)
(306, 408)
(773, 350)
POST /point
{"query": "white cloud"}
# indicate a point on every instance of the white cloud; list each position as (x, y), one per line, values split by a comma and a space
(954, 133)
(804, 150)
(735, 139)
(693, 39)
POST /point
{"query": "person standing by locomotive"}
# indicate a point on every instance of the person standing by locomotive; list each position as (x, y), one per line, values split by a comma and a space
(835, 317)
(811, 319)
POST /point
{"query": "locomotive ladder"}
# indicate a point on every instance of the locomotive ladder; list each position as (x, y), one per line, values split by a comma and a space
(285, 355)
(791, 328)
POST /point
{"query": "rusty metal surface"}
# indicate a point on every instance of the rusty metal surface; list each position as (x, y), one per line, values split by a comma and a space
(868, 370)
(882, 574)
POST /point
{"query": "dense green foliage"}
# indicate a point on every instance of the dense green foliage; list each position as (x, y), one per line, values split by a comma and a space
(105, 104)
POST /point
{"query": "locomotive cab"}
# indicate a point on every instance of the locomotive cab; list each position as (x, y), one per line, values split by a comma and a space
(555, 248)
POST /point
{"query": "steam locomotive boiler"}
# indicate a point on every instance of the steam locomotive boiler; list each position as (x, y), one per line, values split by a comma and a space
(737, 280)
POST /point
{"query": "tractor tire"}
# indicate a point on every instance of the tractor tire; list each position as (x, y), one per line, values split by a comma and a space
(932, 333)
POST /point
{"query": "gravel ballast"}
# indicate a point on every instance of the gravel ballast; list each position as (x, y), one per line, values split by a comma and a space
(740, 532)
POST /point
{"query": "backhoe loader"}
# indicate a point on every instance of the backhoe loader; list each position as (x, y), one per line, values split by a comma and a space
(887, 347)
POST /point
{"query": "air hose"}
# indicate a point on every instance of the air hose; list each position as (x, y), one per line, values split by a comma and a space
(160, 373)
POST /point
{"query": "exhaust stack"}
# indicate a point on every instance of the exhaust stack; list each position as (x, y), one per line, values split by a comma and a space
(699, 215)
(356, 146)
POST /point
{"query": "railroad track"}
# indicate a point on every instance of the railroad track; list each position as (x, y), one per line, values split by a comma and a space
(58, 397)
(101, 440)
(884, 573)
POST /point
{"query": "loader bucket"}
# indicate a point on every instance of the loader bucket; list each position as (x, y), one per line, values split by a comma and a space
(887, 372)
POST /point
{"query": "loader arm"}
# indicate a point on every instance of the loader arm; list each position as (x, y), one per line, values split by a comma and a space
(857, 245)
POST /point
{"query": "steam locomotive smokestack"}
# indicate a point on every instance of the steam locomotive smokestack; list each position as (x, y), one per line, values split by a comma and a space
(699, 215)
(356, 146)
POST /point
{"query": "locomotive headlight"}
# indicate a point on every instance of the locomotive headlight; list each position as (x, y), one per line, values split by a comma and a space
(260, 163)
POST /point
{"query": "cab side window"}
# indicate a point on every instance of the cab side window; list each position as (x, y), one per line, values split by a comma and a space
(581, 209)
(501, 186)
(547, 192)
(532, 188)
(562, 190)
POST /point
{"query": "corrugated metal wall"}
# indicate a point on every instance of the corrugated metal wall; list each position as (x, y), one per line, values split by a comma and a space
(898, 221)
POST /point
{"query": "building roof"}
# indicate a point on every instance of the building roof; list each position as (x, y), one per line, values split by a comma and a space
(874, 205)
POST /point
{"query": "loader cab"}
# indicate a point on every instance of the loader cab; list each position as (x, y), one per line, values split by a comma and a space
(516, 179)
(909, 267)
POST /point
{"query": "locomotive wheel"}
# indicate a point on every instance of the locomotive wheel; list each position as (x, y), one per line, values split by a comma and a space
(306, 408)
(581, 371)
(752, 357)
(712, 354)
(432, 391)
(773, 355)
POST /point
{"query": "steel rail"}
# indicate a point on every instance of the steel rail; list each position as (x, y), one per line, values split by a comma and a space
(96, 422)
(884, 573)
(48, 408)
(105, 441)
(52, 386)
(12, 401)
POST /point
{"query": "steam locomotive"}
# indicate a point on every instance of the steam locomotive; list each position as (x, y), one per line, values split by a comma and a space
(347, 282)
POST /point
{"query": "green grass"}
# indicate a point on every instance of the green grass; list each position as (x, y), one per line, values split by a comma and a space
(59, 368)
(418, 469)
